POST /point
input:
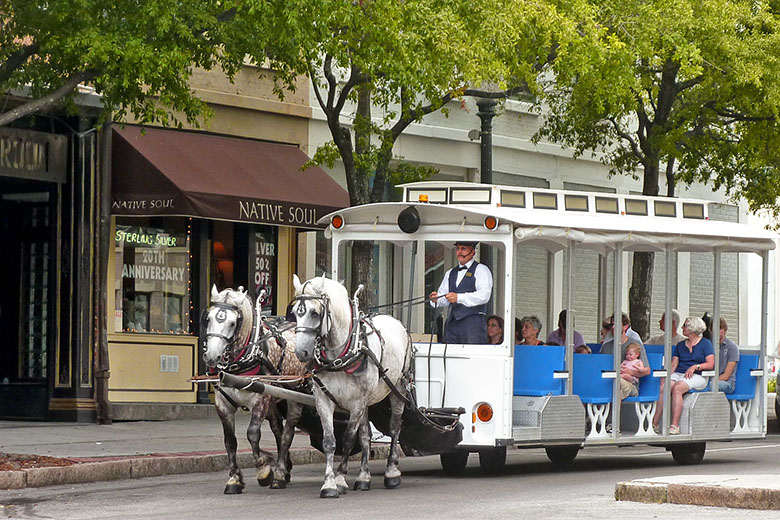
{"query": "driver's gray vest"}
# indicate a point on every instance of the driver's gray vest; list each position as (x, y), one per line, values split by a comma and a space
(459, 311)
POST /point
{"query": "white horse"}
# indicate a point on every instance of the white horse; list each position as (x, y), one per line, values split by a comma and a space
(353, 361)
(228, 327)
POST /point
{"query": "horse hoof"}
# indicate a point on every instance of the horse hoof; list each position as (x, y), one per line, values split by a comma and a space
(329, 493)
(287, 477)
(392, 482)
(362, 486)
(234, 489)
(267, 480)
(278, 484)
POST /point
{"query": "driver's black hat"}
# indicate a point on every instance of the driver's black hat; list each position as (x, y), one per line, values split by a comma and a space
(465, 243)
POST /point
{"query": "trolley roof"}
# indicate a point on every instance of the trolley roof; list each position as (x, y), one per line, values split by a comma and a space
(551, 218)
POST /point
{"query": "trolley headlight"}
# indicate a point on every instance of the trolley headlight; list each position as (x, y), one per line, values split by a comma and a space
(409, 220)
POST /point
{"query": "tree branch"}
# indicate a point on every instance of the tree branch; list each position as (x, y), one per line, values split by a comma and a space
(43, 103)
(734, 115)
(355, 77)
(15, 60)
(670, 182)
(327, 69)
(627, 137)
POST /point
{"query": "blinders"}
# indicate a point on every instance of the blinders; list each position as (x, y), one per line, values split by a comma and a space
(321, 330)
(220, 317)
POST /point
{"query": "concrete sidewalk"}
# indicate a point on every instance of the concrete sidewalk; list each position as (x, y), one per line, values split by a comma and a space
(738, 491)
(132, 449)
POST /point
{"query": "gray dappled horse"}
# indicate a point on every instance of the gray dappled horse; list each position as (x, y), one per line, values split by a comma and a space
(229, 323)
(344, 353)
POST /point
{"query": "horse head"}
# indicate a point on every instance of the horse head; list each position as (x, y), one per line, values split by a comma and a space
(322, 312)
(228, 322)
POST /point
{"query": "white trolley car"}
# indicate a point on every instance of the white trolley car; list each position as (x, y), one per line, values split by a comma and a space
(547, 396)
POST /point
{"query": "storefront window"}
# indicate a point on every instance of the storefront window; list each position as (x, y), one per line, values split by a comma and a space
(263, 265)
(152, 283)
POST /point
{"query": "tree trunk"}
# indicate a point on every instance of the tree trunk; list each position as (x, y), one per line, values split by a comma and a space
(641, 293)
(362, 272)
(363, 252)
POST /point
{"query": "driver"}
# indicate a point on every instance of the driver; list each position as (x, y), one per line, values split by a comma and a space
(466, 289)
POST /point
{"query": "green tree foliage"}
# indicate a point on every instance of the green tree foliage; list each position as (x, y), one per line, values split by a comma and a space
(378, 66)
(136, 54)
(688, 88)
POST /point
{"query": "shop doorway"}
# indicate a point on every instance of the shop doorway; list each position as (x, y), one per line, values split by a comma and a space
(26, 317)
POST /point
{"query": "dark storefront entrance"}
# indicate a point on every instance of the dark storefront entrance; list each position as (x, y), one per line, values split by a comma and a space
(25, 298)
(32, 166)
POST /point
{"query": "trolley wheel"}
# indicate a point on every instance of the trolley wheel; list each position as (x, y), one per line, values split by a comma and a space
(492, 460)
(562, 454)
(454, 462)
(687, 454)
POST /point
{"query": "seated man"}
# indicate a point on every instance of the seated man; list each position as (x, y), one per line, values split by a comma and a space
(558, 336)
(626, 336)
(729, 357)
(676, 336)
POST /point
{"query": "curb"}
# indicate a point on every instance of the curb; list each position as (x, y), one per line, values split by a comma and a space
(151, 466)
(726, 493)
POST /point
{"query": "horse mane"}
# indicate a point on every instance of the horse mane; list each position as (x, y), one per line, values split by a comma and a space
(241, 300)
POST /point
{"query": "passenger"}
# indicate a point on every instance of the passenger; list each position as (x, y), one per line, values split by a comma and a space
(689, 358)
(606, 330)
(530, 326)
(558, 336)
(466, 289)
(495, 329)
(707, 319)
(676, 336)
(583, 349)
(627, 337)
(630, 366)
(729, 357)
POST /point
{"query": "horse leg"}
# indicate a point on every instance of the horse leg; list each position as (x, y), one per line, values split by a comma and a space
(392, 473)
(325, 409)
(283, 462)
(235, 483)
(262, 458)
(355, 420)
(363, 482)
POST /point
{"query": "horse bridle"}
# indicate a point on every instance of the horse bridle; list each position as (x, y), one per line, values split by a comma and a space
(350, 350)
(319, 330)
(220, 317)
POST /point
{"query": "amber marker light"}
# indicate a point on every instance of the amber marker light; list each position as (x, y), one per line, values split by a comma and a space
(484, 412)
(423, 197)
(491, 223)
(337, 222)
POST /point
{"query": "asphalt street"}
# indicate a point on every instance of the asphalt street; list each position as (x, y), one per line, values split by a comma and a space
(529, 487)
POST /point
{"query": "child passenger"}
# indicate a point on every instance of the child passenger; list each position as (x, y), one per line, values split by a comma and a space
(583, 349)
(629, 382)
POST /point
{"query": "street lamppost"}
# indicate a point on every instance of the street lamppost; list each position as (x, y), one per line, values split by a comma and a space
(486, 110)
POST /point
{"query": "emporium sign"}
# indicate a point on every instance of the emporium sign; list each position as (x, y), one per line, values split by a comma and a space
(33, 155)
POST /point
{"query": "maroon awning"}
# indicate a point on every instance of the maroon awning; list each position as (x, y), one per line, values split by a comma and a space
(169, 172)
